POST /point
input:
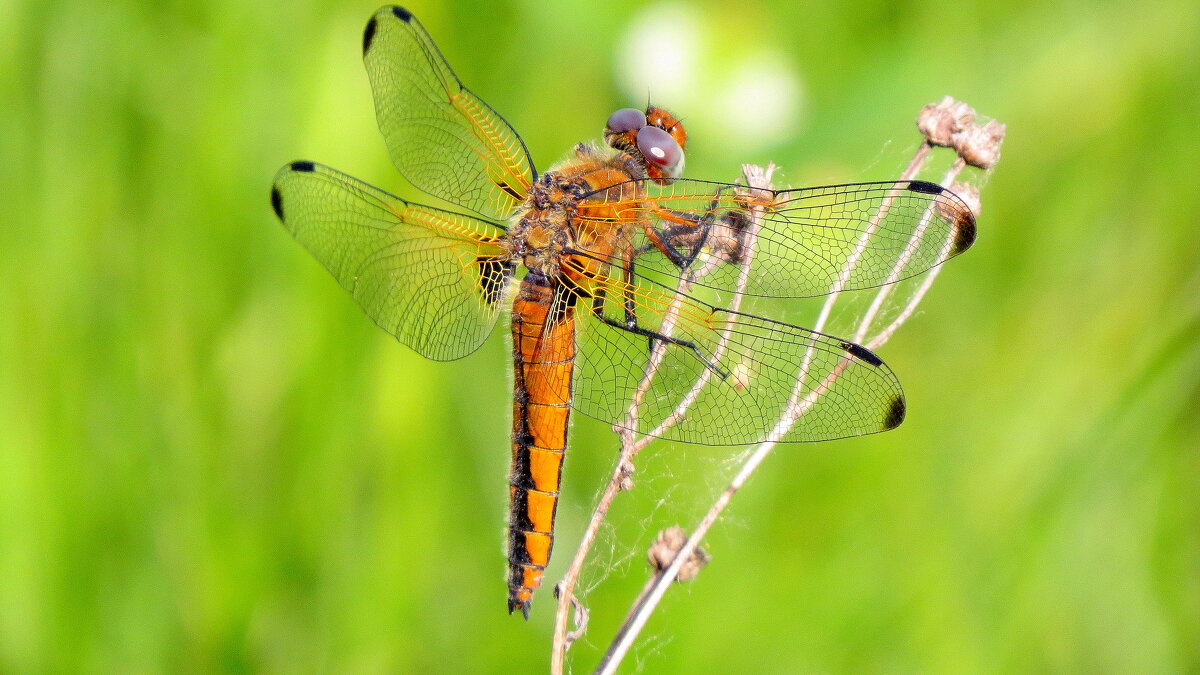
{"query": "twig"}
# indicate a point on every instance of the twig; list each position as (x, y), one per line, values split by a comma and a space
(581, 620)
(971, 195)
(910, 172)
(975, 145)
(756, 178)
(620, 480)
(885, 290)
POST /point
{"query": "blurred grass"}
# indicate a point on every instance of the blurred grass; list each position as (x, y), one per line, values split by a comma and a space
(213, 462)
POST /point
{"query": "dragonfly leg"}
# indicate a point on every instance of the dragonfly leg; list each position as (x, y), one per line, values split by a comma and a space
(630, 325)
(685, 230)
(630, 305)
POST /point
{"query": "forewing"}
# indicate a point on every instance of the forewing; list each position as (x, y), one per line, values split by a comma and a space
(432, 278)
(732, 376)
(442, 138)
(810, 241)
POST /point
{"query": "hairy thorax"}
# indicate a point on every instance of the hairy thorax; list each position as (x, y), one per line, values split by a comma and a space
(547, 227)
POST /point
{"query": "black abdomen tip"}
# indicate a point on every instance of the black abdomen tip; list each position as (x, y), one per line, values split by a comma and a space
(895, 413)
(514, 603)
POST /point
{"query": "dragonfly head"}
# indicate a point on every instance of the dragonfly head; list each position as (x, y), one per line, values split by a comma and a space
(654, 138)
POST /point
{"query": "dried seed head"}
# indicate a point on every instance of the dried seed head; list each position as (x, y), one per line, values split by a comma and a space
(757, 176)
(938, 122)
(758, 191)
(980, 145)
(667, 545)
(726, 237)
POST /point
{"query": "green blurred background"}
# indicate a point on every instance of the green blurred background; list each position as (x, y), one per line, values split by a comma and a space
(210, 460)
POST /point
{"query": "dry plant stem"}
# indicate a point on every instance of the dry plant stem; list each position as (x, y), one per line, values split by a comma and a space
(795, 409)
(909, 308)
(566, 588)
(641, 613)
(641, 597)
(581, 621)
(884, 291)
(910, 172)
(619, 480)
(756, 178)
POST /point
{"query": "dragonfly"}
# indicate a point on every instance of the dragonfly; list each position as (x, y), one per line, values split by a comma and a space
(585, 258)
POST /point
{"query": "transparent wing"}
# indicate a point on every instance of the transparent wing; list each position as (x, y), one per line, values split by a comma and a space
(432, 278)
(811, 240)
(734, 374)
(442, 138)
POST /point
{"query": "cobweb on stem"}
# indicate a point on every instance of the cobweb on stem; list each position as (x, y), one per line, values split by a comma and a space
(948, 123)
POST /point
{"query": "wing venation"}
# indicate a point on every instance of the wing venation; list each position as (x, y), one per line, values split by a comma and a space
(432, 278)
(810, 241)
(442, 138)
(736, 373)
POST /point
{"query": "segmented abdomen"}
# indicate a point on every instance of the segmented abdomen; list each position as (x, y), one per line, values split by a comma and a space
(543, 360)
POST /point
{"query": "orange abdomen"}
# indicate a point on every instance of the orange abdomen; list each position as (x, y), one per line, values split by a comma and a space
(543, 359)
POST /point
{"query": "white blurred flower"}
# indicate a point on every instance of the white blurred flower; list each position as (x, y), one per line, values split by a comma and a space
(746, 95)
(761, 101)
(658, 55)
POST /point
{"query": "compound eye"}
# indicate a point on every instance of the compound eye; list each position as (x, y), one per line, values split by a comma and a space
(626, 119)
(659, 148)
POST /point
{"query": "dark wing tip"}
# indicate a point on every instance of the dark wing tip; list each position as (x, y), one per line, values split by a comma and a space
(925, 187)
(964, 230)
(369, 35)
(300, 166)
(277, 202)
(862, 354)
(373, 24)
(895, 413)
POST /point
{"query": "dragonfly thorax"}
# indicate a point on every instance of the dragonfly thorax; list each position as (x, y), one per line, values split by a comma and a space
(539, 243)
(542, 227)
